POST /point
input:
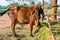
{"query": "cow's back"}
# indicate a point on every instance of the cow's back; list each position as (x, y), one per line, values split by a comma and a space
(23, 15)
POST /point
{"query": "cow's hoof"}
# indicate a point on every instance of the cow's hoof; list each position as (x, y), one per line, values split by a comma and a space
(35, 31)
(31, 35)
(15, 35)
(12, 35)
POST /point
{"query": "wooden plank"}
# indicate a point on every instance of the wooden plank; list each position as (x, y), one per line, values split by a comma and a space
(55, 27)
(56, 31)
(52, 14)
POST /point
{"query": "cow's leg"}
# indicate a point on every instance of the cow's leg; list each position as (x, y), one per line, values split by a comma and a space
(13, 23)
(31, 28)
(13, 28)
(37, 26)
(13, 19)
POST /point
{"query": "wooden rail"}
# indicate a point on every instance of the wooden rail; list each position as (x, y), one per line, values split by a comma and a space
(48, 16)
(49, 21)
(58, 14)
(49, 24)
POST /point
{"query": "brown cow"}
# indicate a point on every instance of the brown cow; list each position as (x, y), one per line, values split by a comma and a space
(23, 15)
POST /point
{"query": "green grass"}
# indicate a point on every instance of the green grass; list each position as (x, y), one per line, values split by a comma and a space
(53, 24)
(24, 34)
(57, 35)
(43, 33)
(47, 10)
(58, 11)
(2, 10)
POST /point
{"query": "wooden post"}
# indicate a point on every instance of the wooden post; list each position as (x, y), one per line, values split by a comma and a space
(50, 27)
(42, 4)
(54, 10)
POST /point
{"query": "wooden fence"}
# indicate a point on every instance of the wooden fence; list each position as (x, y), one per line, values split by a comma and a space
(49, 24)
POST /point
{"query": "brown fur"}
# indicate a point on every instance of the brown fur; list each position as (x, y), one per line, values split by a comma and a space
(25, 16)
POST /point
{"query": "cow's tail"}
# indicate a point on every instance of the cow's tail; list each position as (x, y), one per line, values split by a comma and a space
(1, 14)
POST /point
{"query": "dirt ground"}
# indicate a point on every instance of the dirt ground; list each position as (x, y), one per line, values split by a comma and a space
(4, 22)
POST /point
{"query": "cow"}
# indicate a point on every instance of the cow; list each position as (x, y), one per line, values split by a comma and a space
(24, 15)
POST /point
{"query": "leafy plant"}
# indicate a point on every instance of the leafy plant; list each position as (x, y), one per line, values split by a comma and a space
(43, 33)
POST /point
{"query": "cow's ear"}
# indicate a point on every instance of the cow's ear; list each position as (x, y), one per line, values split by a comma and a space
(9, 8)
